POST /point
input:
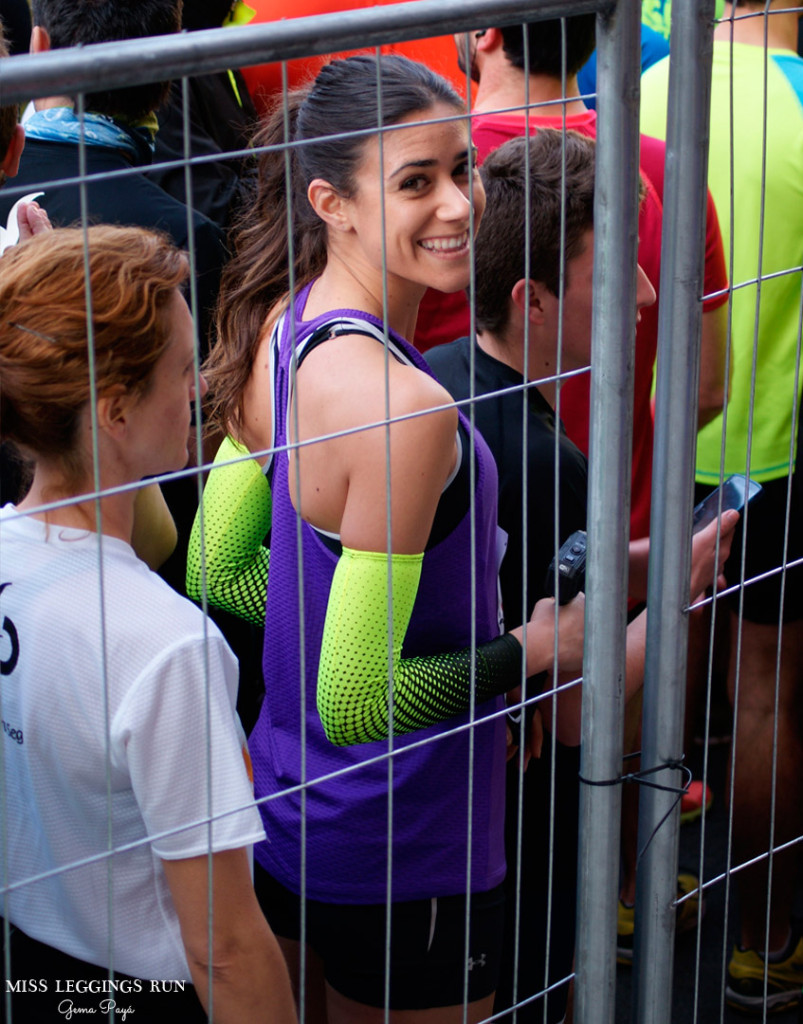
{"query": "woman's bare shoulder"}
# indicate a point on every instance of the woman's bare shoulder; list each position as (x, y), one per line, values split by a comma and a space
(353, 378)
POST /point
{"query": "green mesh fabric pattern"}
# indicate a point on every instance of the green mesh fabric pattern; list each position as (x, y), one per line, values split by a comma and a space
(353, 693)
(237, 517)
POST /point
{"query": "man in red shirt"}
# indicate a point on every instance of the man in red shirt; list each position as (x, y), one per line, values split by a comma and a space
(495, 60)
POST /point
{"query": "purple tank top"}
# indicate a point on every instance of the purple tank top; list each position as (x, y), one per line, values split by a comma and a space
(348, 833)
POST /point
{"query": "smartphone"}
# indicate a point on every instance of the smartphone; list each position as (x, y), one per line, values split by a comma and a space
(571, 565)
(736, 492)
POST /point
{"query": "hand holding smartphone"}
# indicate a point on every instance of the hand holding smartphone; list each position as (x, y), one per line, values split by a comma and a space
(735, 492)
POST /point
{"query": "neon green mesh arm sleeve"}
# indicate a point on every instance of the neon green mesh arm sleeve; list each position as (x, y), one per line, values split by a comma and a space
(237, 516)
(353, 692)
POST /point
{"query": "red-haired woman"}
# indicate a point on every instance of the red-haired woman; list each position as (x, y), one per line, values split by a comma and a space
(127, 807)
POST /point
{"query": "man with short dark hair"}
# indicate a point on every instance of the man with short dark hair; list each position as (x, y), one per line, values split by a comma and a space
(513, 312)
(501, 309)
(544, 53)
(58, 24)
(504, 304)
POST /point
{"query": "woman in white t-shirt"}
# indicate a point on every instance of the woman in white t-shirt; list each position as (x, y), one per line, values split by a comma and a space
(127, 808)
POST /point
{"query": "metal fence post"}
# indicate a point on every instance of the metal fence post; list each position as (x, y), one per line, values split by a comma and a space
(672, 496)
(125, 62)
(615, 246)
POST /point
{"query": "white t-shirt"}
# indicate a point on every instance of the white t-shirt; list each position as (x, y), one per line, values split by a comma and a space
(118, 724)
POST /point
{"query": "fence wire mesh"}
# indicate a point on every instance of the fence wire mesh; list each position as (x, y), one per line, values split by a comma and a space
(565, 808)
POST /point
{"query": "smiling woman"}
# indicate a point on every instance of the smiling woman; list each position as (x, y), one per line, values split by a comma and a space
(383, 561)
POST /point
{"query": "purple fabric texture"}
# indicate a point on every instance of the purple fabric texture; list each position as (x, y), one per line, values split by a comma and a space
(347, 832)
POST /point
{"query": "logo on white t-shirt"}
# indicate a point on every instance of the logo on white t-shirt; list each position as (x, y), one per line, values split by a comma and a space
(9, 643)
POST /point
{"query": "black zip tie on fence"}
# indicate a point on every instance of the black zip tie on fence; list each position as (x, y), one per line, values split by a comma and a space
(640, 778)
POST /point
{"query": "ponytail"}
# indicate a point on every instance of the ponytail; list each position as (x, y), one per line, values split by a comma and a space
(257, 279)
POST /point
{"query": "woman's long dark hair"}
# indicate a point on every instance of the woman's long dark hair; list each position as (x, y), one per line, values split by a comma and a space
(321, 121)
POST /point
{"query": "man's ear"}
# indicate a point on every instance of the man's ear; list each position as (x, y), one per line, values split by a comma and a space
(10, 163)
(530, 298)
(329, 204)
(40, 40)
(488, 40)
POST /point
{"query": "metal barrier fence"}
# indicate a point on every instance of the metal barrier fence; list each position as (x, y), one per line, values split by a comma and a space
(687, 134)
(615, 248)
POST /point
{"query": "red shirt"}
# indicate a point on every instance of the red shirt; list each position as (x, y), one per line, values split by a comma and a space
(443, 318)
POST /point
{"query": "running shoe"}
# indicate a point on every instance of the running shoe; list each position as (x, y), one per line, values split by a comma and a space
(687, 911)
(686, 917)
(691, 805)
(625, 926)
(745, 987)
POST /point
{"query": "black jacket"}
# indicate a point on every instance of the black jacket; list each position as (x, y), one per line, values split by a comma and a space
(219, 124)
(132, 200)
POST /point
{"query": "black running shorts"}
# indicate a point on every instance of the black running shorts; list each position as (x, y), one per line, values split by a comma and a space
(428, 963)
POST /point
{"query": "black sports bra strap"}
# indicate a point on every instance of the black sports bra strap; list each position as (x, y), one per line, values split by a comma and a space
(333, 329)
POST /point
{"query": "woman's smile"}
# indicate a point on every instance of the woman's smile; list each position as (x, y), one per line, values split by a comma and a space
(450, 245)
